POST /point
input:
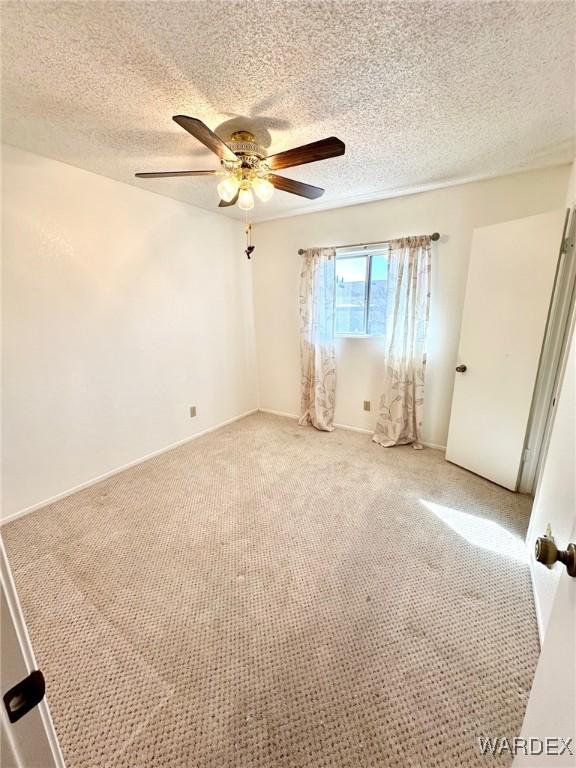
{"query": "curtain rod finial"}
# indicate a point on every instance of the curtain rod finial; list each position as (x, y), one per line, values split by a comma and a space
(435, 236)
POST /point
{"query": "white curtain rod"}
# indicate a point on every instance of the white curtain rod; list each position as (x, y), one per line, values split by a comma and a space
(434, 236)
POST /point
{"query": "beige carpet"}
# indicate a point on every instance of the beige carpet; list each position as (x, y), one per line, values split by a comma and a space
(275, 597)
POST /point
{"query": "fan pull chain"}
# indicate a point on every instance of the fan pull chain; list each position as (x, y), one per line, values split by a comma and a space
(248, 231)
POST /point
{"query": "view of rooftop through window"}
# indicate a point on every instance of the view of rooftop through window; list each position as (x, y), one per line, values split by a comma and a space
(361, 293)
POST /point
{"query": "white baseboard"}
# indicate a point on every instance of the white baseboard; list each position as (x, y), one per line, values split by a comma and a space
(112, 472)
(279, 413)
(344, 426)
(160, 451)
(295, 416)
(354, 429)
(435, 446)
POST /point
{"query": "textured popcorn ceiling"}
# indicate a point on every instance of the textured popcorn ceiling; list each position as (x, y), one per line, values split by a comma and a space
(423, 94)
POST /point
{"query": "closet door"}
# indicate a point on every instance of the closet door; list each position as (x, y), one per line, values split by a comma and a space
(508, 294)
(27, 735)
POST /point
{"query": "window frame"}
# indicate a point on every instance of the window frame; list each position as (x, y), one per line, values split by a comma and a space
(345, 253)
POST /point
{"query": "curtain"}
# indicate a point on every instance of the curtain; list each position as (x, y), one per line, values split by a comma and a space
(317, 351)
(407, 311)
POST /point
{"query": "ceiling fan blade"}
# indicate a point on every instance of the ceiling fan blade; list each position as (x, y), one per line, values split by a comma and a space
(307, 153)
(161, 174)
(224, 204)
(296, 187)
(206, 136)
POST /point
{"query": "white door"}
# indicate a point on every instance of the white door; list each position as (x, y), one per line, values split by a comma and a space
(555, 500)
(551, 711)
(30, 742)
(508, 293)
(549, 726)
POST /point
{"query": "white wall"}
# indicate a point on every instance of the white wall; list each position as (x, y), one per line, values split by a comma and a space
(121, 308)
(452, 211)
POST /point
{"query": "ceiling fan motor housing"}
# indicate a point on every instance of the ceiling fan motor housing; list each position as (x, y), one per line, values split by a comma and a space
(243, 143)
(247, 166)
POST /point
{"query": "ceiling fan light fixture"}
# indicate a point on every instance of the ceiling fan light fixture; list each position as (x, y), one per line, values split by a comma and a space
(263, 189)
(246, 199)
(228, 188)
(247, 167)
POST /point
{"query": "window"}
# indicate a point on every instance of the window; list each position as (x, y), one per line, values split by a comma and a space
(361, 280)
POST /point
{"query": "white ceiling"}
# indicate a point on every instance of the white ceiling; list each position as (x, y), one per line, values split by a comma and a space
(423, 94)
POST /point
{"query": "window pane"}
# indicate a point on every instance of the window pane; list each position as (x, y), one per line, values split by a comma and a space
(350, 294)
(378, 283)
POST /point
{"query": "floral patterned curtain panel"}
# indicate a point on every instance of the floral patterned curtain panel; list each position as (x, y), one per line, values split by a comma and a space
(407, 311)
(317, 351)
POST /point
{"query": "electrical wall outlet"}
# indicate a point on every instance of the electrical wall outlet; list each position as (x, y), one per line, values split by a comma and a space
(366, 405)
(192, 411)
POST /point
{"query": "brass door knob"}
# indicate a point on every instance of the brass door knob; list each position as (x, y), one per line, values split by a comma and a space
(547, 553)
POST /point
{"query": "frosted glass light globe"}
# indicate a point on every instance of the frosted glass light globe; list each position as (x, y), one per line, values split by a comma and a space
(228, 188)
(263, 188)
(246, 200)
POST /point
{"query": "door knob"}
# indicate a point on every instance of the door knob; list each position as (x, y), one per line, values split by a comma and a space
(547, 553)
(461, 368)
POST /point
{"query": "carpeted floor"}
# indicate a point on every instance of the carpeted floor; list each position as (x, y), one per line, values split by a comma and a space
(270, 596)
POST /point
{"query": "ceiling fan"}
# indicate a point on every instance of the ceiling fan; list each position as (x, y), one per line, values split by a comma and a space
(247, 169)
